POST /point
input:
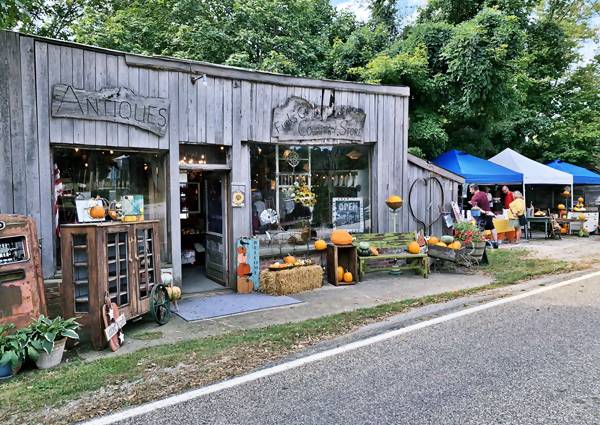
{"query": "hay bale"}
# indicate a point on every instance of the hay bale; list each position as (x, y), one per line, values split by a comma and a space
(291, 281)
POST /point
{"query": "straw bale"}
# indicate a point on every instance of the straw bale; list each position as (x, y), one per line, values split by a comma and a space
(291, 281)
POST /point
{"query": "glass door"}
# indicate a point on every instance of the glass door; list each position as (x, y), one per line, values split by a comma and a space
(216, 255)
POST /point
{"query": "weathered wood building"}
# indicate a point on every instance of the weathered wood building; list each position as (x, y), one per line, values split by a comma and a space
(214, 150)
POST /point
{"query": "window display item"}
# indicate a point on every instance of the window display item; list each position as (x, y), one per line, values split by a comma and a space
(90, 210)
(133, 207)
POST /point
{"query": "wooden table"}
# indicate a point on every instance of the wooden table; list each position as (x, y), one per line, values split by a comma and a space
(545, 220)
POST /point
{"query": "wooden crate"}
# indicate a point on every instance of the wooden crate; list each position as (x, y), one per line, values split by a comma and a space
(345, 256)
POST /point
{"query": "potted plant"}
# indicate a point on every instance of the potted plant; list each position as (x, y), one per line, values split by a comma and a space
(47, 339)
(471, 237)
(12, 350)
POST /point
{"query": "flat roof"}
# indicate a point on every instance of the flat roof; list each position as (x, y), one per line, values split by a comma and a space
(230, 72)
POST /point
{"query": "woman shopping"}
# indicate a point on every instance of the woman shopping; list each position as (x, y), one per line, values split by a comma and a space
(516, 214)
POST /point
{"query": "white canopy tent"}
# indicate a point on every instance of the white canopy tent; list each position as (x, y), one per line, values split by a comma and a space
(533, 172)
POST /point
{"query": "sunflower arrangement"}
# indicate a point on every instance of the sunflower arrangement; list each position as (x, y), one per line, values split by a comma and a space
(302, 194)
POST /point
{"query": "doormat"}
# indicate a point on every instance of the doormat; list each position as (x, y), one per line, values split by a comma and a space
(201, 308)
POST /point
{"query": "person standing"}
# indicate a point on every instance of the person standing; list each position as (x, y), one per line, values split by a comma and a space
(516, 214)
(486, 219)
(508, 197)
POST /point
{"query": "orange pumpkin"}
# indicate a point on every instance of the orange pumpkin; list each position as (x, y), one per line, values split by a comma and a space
(289, 259)
(348, 277)
(320, 245)
(341, 237)
(97, 211)
(413, 247)
(340, 273)
(433, 240)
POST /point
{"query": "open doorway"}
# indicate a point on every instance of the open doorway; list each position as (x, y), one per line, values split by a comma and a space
(203, 230)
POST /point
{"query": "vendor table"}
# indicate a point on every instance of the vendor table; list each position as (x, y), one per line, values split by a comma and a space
(530, 220)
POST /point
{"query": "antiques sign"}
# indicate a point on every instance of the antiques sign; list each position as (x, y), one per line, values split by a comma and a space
(298, 119)
(119, 105)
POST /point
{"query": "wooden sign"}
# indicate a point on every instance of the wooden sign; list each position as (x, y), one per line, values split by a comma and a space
(115, 327)
(298, 119)
(119, 105)
(347, 214)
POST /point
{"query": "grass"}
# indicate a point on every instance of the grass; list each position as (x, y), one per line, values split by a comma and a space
(157, 371)
(508, 266)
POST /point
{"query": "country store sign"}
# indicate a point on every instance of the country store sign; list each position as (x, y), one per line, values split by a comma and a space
(298, 119)
(119, 105)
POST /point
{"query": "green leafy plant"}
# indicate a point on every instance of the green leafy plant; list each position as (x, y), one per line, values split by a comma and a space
(12, 346)
(467, 232)
(43, 332)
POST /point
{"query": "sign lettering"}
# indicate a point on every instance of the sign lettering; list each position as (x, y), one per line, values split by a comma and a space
(119, 105)
(298, 119)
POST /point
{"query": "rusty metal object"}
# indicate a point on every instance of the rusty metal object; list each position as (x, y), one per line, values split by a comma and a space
(21, 282)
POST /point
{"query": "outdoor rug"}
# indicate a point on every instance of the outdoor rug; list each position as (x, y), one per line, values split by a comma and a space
(200, 308)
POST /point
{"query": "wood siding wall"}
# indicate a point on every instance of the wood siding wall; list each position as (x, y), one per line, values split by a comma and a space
(426, 200)
(219, 110)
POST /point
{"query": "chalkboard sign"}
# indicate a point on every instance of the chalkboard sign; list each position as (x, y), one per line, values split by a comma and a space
(347, 213)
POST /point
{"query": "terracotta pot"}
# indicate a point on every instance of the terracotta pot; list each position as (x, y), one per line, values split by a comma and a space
(52, 359)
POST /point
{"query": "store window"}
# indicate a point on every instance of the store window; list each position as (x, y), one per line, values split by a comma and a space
(112, 174)
(297, 187)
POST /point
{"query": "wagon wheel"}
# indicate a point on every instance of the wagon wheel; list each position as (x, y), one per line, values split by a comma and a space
(160, 305)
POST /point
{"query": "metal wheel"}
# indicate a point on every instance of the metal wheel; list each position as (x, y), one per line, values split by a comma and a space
(160, 305)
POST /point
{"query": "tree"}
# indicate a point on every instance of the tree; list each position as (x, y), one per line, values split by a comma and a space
(46, 18)
(384, 13)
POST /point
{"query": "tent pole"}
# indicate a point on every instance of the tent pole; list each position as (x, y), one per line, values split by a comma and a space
(572, 197)
(524, 196)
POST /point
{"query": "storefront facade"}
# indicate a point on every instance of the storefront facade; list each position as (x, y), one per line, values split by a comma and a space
(213, 150)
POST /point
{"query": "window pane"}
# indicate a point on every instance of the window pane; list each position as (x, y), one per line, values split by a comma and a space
(327, 171)
(111, 174)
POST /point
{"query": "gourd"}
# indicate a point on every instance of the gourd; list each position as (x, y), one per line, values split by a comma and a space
(433, 240)
(413, 248)
(561, 207)
(447, 239)
(393, 199)
(364, 245)
(580, 200)
(340, 273)
(455, 245)
(174, 292)
(374, 251)
(320, 245)
(341, 237)
(289, 259)
(442, 244)
(348, 277)
(582, 217)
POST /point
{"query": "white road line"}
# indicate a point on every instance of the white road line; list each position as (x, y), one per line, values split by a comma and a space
(190, 395)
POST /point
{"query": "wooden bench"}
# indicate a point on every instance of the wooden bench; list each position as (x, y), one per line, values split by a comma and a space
(392, 254)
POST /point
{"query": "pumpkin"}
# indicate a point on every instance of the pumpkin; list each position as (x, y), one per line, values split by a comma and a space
(455, 245)
(97, 211)
(393, 199)
(348, 277)
(580, 200)
(364, 245)
(582, 217)
(374, 251)
(340, 273)
(289, 259)
(447, 239)
(341, 237)
(320, 245)
(563, 230)
(413, 247)
(174, 292)
(561, 207)
(244, 285)
(433, 240)
(441, 244)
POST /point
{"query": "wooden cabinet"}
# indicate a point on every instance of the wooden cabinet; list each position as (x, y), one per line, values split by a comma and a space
(122, 259)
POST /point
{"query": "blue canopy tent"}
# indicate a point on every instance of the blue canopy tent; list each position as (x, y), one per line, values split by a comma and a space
(477, 170)
(580, 175)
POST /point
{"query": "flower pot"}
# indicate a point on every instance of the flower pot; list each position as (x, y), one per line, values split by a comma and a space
(52, 359)
(476, 250)
(5, 371)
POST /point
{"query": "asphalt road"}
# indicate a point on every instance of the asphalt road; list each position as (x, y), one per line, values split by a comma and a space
(533, 361)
